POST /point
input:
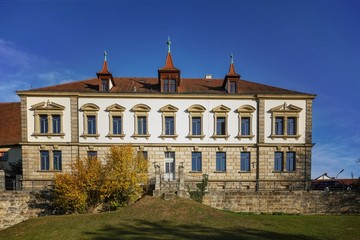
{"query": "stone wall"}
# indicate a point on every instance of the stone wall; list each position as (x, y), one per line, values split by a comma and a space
(14, 208)
(291, 202)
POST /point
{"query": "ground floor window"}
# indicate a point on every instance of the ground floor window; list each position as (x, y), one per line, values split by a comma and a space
(220, 161)
(196, 161)
(245, 162)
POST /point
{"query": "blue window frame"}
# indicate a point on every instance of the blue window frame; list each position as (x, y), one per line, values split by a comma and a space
(245, 126)
(220, 126)
(117, 125)
(142, 126)
(196, 161)
(196, 125)
(279, 126)
(44, 160)
(245, 161)
(278, 161)
(56, 123)
(44, 126)
(57, 160)
(169, 126)
(221, 161)
(291, 126)
(290, 161)
(91, 121)
(92, 154)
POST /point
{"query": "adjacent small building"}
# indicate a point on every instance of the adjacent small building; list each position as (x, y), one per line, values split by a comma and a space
(243, 135)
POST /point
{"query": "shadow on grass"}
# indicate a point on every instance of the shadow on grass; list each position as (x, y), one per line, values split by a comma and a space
(140, 229)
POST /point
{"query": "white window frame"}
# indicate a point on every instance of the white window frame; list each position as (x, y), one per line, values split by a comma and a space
(141, 110)
(90, 109)
(221, 111)
(196, 110)
(245, 111)
(168, 111)
(115, 110)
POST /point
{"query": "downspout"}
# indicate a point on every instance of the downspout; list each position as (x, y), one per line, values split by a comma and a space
(257, 147)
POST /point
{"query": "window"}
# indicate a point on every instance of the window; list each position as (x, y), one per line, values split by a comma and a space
(142, 127)
(195, 121)
(290, 161)
(285, 121)
(196, 161)
(115, 121)
(48, 119)
(90, 111)
(169, 121)
(278, 161)
(56, 123)
(4, 156)
(57, 160)
(220, 125)
(245, 121)
(169, 125)
(44, 124)
(220, 161)
(232, 87)
(44, 160)
(104, 85)
(170, 85)
(141, 121)
(291, 126)
(117, 126)
(245, 126)
(91, 123)
(245, 162)
(92, 154)
(279, 125)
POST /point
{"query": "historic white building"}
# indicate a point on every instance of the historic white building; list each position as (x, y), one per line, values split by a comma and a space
(243, 135)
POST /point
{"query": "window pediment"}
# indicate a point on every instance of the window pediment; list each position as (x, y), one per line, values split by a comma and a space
(89, 107)
(47, 106)
(221, 108)
(141, 108)
(246, 109)
(196, 108)
(115, 108)
(169, 108)
(286, 108)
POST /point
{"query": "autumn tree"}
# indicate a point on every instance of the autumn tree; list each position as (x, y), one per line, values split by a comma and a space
(120, 180)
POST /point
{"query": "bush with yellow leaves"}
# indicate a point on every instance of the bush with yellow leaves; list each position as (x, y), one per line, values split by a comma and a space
(91, 185)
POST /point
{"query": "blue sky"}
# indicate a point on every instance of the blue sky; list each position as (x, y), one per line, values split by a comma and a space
(310, 46)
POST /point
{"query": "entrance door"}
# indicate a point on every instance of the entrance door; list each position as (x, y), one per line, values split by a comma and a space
(169, 166)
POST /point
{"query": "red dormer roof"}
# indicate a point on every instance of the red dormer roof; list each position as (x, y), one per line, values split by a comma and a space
(169, 65)
(232, 72)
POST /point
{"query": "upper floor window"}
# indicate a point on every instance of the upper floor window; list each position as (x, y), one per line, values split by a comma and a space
(104, 85)
(245, 121)
(196, 161)
(168, 121)
(115, 121)
(245, 161)
(169, 85)
(48, 119)
(220, 122)
(141, 113)
(285, 120)
(90, 117)
(232, 87)
(196, 121)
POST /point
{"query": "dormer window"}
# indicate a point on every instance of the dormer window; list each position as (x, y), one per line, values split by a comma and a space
(169, 85)
(104, 85)
(232, 87)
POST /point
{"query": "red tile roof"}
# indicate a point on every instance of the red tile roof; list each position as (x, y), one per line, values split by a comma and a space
(10, 124)
(151, 85)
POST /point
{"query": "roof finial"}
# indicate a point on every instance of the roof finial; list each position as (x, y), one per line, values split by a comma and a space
(232, 58)
(168, 43)
(105, 55)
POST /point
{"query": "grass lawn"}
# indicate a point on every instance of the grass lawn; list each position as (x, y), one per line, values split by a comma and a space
(154, 218)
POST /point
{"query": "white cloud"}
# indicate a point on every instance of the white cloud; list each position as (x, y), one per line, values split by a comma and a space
(21, 70)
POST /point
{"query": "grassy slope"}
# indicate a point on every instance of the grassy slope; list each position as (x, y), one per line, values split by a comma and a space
(154, 218)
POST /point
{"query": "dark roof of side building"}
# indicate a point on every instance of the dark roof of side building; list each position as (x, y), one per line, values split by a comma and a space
(150, 85)
(10, 124)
